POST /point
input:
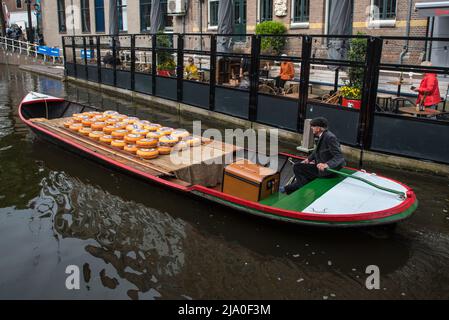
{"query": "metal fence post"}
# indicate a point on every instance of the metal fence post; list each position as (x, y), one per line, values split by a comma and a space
(133, 62)
(180, 67)
(254, 78)
(98, 58)
(212, 71)
(85, 57)
(64, 56)
(369, 93)
(304, 81)
(153, 63)
(74, 57)
(114, 56)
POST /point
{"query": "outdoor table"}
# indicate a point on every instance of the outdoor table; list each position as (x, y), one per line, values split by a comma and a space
(426, 113)
(399, 83)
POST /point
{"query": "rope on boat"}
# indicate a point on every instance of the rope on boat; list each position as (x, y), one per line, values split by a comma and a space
(400, 193)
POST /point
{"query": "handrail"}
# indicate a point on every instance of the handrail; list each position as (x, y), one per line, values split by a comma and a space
(24, 47)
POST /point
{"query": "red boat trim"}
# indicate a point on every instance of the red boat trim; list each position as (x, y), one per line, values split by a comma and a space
(411, 197)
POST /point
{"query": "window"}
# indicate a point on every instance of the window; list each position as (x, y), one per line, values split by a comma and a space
(168, 20)
(300, 11)
(384, 10)
(99, 16)
(213, 13)
(85, 16)
(266, 10)
(19, 4)
(61, 16)
(122, 15)
(145, 14)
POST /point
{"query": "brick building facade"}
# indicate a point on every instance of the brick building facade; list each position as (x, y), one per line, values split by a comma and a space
(372, 17)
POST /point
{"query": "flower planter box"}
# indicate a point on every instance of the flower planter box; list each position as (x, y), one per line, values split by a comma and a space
(164, 73)
(355, 104)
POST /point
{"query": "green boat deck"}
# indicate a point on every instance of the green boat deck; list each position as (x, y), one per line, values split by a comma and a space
(303, 197)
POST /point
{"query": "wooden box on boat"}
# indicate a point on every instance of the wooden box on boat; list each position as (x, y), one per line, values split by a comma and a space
(250, 181)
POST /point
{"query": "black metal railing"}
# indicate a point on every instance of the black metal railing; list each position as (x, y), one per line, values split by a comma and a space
(135, 62)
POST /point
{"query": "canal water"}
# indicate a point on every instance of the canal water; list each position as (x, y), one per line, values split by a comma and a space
(133, 240)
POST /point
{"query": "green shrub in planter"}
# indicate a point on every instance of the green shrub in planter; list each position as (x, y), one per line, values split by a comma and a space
(357, 52)
(272, 44)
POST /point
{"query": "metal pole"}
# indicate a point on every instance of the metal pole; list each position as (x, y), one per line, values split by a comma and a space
(98, 58)
(212, 71)
(85, 57)
(304, 81)
(369, 93)
(30, 33)
(153, 63)
(74, 58)
(64, 56)
(254, 78)
(180, 67)
(133, 62)
(114, 56)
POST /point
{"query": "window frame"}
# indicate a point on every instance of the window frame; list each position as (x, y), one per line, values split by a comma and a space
(300, 23)
(142, 4)
(85, 14)
(259, 11)
(380, 21)
(62, 25)
(209, 25)
(99, 9)
(166, 17)
(21, 4)
(122, 9)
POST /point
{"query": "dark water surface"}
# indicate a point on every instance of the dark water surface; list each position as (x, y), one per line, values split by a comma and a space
(135, 240)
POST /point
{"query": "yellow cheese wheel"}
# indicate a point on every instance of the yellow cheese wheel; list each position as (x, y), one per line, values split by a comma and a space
(180, 134)
(132, 138)
(152, 127)
(119, 133)
(98, 125)
(107, 138)
(132, 148)
(146, 143)
(168, 141)
(96, 135)
(76, 126)
(85, 131)
(165, 130)
(120, 144)
(147, 153)
(164, 149)
(67, 123)
(142, 132)
(154, 135)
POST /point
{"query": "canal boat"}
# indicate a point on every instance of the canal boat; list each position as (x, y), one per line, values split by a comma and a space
(349, 198)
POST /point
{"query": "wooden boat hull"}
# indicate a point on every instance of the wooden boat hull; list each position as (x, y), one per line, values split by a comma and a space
(398, 212)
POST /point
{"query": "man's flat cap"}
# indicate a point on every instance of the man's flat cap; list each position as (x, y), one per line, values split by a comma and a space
(319, 122)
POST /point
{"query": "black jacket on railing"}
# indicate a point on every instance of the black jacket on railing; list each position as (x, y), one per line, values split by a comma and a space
(328, 151)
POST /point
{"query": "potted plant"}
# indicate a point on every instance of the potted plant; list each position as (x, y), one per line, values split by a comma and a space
(165, 62)
(272, 45)
(352, 91)
(351, 97)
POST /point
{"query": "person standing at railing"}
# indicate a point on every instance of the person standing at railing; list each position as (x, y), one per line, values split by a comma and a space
(428, 91)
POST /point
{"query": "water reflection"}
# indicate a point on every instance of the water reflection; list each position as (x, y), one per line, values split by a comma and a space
(136, 240)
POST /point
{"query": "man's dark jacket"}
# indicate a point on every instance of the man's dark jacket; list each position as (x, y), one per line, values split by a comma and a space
(328, 151)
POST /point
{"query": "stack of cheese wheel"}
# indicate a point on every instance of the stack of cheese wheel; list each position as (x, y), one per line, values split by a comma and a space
(68, 122)
(166, 144)
(98, 126)
(132, 138)
(85, 131)
(165, 131)
(119, 134)
(96, 135)
(118, 143)
(146, 153)
(76, 126)
(132, 148)
(107, 138)
(110, 113)
(192, 141)
(146, 143)
(180, 134)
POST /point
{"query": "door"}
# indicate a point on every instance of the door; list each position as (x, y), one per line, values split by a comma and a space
(239, 19)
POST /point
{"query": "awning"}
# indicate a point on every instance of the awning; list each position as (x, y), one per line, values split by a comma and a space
(432, 9)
